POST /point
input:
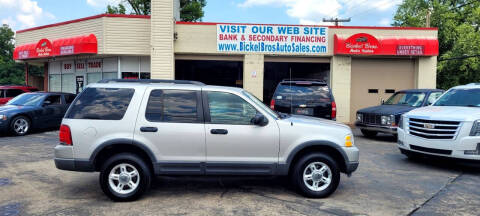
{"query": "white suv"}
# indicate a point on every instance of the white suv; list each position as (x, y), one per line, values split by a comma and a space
(450, 127)
(130, 130)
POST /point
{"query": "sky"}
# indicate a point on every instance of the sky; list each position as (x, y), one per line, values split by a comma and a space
(22, 14)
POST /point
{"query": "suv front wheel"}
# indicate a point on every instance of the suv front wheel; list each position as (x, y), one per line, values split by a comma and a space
(125, 177)
(316, 175)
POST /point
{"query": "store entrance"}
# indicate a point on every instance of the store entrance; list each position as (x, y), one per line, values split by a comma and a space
(275, 72)
(223, 73)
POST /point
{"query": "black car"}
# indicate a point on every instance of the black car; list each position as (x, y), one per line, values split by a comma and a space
(304, 97)
(385, 118)
(34, 111)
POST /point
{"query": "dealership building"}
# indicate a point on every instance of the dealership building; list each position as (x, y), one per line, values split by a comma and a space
(362, 65)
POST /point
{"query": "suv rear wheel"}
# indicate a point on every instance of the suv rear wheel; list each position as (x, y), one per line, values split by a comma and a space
(316, 175)
(125, 177)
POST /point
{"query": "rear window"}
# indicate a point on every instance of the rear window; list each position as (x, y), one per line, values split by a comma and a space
(101, 104)
(14, 92)
(308, 92)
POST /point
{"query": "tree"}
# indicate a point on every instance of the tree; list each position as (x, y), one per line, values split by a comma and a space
(10, 71)
(458, 34)
(190, 10)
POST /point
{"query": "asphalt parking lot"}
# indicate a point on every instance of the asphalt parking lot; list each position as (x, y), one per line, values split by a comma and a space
(386, 183)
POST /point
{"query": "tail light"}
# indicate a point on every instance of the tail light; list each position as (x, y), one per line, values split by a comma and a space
(334, 110)
(272, 104)
(65, 135)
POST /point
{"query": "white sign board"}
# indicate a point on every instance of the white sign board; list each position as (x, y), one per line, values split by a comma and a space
(272, 39)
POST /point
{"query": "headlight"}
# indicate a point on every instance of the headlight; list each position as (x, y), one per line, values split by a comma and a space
(400, 123)
(475, 128)
(3, 117)
(349, 141)
(359, 117)
(388, 120)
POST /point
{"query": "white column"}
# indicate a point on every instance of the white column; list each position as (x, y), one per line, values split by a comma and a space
(426, 72)
(341, 83)
(162, 30)
(253, 74)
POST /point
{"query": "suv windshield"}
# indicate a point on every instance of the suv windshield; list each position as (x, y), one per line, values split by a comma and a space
(27, 100)
(414, 99)
(460, 97)
(303, 92)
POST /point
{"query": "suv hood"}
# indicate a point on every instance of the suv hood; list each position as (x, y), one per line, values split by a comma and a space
(307, 120)
(387, 109)
(454, 113)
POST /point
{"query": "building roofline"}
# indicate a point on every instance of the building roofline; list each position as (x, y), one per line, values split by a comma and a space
(84, 19)
(333, 27)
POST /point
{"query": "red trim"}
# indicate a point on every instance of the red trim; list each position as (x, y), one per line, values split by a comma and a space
(338, 27)
(85, 19)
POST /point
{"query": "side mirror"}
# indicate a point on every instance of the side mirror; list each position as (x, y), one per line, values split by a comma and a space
(259, 120)
(46, 103)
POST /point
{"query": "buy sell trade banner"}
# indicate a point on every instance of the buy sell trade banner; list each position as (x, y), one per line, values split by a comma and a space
(272, 39)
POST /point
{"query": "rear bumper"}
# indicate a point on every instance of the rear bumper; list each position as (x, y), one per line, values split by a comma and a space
(377, 128)
(74, 165)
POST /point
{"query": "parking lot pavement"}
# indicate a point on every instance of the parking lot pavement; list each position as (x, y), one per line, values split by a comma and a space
(386, 183)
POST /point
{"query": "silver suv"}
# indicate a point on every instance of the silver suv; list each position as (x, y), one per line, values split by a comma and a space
(131, 130)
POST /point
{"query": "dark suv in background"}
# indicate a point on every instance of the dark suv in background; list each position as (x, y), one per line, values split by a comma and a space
(304, 97)
(7, 92)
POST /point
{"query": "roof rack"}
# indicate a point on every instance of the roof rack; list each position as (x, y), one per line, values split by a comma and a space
(304, 80)
(148, 81)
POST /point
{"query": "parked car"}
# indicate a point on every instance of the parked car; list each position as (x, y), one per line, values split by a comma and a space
(304, 97)
(34, 111)
(448, 128)
(167, 127)
(385, 118)
(7, 92)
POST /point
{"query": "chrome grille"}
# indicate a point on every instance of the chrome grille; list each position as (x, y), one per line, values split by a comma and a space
(433, 129)
(371, 119)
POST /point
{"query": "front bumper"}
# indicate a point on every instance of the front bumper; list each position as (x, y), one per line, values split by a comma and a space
(352, 156)
(3, 126)
(454, 148)
(377, 128)
(64, 160)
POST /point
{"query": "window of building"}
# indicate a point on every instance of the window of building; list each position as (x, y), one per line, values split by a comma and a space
(101, 103)
(172, 106)
(226, 108)
(13, 93)
(2, 93)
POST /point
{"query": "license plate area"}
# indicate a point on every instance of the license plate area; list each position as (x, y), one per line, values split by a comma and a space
(303, 111)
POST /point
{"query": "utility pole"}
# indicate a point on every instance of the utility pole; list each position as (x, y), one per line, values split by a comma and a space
(336, 20)
(427, 20)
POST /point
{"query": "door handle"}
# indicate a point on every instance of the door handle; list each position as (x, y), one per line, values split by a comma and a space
(148, 129)
(219, 131)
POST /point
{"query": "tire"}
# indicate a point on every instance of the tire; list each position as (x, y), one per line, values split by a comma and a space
(369, 134)
(131, 163)
(307, 187)
(20, 125)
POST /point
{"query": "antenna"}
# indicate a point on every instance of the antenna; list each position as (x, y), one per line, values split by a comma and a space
(337, 20)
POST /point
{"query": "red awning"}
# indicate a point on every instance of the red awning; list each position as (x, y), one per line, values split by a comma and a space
(86, 44)
(366, 44)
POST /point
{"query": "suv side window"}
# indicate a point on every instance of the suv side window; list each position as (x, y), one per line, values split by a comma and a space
(13, 92)
(226, 108)
(180, 106)
(101, 104)
(433, 97)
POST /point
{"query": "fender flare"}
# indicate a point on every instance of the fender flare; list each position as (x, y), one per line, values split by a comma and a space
(108, 143)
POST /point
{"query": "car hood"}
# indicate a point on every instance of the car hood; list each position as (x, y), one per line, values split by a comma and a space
(387, 109)
(307, 120)
(448, 113)
(7, 109)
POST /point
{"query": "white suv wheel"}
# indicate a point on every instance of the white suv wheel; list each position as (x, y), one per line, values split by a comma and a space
(124, 178)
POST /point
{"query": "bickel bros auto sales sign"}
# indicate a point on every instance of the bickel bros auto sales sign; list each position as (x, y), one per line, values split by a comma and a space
(272, 39)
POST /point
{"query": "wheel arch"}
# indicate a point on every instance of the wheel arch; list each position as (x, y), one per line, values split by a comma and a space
(109, 148)
(326, 147)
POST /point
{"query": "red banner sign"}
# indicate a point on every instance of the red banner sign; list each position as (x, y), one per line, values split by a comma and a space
(366, 44)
